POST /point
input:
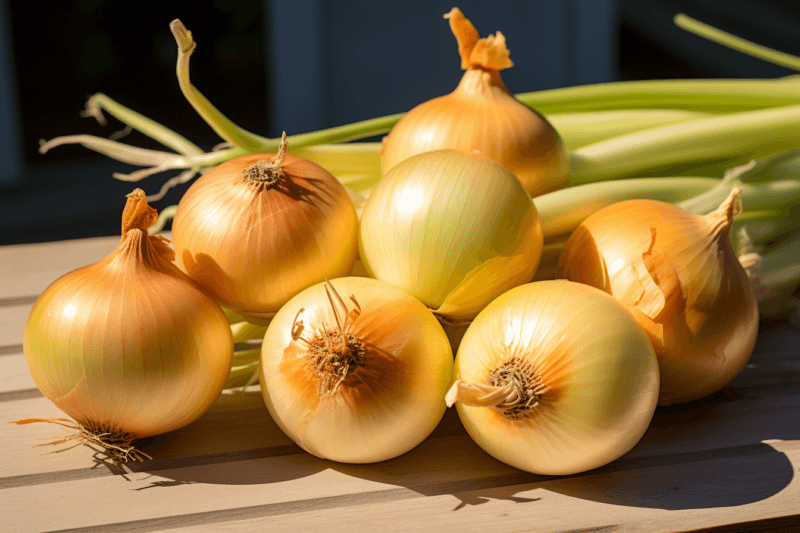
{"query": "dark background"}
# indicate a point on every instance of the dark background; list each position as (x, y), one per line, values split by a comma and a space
(301, 65)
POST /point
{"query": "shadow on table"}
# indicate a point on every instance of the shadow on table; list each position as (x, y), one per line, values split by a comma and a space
(235, 443)
(710, 452)
(707, 453)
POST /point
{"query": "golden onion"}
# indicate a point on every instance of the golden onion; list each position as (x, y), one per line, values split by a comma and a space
(129, 346)
(453, 230)
(679, 276)
(258, 229)
(555, 378)
(481, 114)
(355, 381)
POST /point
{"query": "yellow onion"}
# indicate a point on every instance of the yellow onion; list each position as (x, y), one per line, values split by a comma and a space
(258, 229)
(453, 230)
(355, 381)
(129, 346)
(679, 276)
(555, 378)
(481, 114)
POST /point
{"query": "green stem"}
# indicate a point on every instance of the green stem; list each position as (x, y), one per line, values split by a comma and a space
(736, 43)
(113, 149)
(715, 96)
(581, 129)
(563, 211)
(775, 275)
(664, 149)
(242, 357)
(100, 102)
(232, 316)
(166, 214)
(784, 165)
(548, 264)
(245, 331)
(780, 266)
(772, 197)
(221, 124)
(241, 375)
(768, 225)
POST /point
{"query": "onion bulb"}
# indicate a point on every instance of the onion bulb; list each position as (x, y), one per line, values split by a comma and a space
(481, 114)
(453, 230)
(555, 378)
(129, 347)
(258, 229)
(679, 276)
(355, 381)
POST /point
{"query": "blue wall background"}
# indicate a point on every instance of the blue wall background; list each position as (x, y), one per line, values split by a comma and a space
(337, 62)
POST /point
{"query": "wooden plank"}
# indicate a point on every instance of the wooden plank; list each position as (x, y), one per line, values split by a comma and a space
(12, 324)
(239, 427)
(27, 269)
(417, 493)
(290, 478)
(556, 506)
(14, 374)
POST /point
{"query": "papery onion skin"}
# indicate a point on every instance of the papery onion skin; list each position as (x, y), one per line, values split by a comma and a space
(678, 274)
(389, 404)
(598, 366)
(254, 247)
(482, 115)
(129, 345)
(452, 229)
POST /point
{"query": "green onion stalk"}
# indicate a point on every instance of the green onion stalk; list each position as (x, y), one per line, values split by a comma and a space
(775, 275)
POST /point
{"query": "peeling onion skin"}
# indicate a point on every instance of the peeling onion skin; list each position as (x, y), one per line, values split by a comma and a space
(385, 407)
(678, 274)
(598, 367)
(454, 230)
(129, 345)
(254, 247)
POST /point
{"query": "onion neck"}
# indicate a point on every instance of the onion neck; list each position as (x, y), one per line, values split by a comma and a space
(334, 357)
(137, 213)
(513, 389)
(721, 219)
(482, 82)
(333, 354)
(136, 246)
(268, 173)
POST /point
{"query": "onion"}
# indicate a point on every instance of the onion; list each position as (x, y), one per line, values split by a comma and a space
(555, 378)
(355, 382)
(679, 276)
(258, 229)
(129, 347)
(453, 230)
(481, 114)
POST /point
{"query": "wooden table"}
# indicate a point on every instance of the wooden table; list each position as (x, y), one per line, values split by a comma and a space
(729, 462)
